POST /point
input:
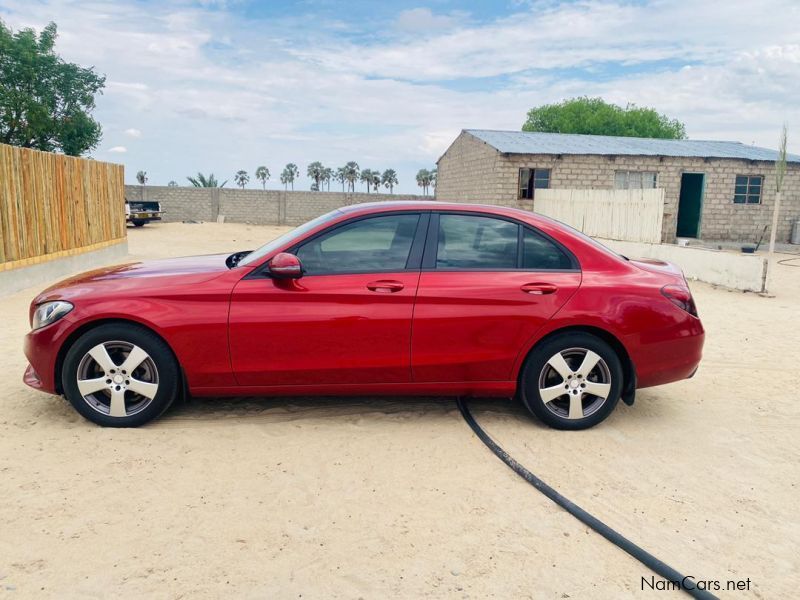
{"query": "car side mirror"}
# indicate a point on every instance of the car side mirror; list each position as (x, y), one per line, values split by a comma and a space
(285, 266)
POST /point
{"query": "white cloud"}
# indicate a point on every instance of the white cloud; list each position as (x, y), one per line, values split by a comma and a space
(218, 92)
(133, 132)
(424, 20)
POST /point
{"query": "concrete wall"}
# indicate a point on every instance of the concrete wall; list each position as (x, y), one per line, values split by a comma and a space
(472, 171)
(47, 272)
(746, 272)
(270, 207)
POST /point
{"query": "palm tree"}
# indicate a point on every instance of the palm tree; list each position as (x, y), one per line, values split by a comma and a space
(206, 182)
(327, 175)
(262, 174)
(366, 177)
(172, 183)
(375, 179)
(340, 176)
(434, 174)
(316, 172)
(424, 180)
(241, 178)
(389, 179)
(289, 174)
(141, 177)
(351, 174)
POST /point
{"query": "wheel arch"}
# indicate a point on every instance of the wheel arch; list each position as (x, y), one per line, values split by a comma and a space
(88, 326)
(628, 367)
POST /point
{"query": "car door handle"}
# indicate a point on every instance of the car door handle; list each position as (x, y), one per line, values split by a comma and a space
(539, 289)
(385, 286)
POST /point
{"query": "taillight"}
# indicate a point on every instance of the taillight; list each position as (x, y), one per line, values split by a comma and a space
(681, 297)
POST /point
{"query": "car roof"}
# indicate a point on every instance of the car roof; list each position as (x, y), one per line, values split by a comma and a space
(389, 205)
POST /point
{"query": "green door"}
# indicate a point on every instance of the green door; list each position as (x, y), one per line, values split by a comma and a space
(690, 205)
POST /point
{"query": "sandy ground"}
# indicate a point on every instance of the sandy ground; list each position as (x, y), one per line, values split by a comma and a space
(374, 498)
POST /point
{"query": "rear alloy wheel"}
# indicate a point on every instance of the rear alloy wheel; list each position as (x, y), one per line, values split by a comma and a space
(120, 375)
(573, 381)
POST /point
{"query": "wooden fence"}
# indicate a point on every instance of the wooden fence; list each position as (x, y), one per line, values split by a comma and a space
(628, 215)
(53, 205)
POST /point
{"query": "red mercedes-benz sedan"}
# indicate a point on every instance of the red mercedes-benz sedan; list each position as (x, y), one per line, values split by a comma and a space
(401, 298)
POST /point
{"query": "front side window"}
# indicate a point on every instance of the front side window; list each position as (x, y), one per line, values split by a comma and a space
(635, 180)
(748, 189)
(471, 242)
(532, 179)
(376, 244)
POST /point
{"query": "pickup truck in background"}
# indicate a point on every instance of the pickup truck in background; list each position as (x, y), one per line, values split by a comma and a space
(140, 212)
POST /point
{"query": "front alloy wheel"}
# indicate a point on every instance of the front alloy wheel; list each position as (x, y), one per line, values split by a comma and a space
(120, 375)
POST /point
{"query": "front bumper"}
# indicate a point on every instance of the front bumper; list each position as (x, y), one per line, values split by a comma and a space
(41, 348)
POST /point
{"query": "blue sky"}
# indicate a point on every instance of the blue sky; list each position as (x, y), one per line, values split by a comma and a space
(217, 86)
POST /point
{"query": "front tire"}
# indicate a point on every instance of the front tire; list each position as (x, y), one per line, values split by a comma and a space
(571, 381)
(138, 223)
(120, 375)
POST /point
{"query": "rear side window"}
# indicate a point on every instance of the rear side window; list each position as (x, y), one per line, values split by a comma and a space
(540, 253)
(473, 242)
(368, 245)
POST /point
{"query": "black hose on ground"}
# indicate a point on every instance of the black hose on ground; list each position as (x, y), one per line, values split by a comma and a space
(643, 556)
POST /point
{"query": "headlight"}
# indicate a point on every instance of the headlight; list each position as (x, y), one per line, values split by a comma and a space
(49, 312)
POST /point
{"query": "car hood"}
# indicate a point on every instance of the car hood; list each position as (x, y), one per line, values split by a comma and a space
(185, 270)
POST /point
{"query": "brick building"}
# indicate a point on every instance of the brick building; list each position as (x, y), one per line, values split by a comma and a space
(713, 190)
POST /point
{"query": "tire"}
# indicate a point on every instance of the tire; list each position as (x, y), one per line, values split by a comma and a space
(588, 396)
(138, 223)
(96, 383)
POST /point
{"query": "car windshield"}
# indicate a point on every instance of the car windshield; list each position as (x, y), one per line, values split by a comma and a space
(279, 241)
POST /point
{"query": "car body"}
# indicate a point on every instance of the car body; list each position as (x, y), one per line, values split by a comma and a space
(400, 298)
(140, 212)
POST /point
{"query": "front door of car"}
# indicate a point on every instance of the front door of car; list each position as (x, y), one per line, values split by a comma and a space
(487, 286)
(347, 320)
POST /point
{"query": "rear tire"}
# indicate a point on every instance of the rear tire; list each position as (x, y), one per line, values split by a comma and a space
(571, 381)
(120, 375)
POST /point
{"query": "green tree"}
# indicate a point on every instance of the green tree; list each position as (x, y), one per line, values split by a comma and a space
(289, 174)
(45, 102)
(389, 179)
(351, 174)
(366, 177)
(262, 174)
(424, 180)
(327, 175)
(315, 172)
(206, 182)
(241, 178)
(596, 116)
(434, 174)
(141, 177)
(340, 176)
(172, 183)
(375, 179)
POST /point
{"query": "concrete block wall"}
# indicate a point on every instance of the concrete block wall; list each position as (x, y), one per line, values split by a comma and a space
(261, 207)
(473, 171)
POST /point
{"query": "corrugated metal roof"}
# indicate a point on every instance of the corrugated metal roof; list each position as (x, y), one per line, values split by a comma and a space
(525, 142)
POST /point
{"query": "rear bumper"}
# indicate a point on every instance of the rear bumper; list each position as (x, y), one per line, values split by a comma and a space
(667, 355)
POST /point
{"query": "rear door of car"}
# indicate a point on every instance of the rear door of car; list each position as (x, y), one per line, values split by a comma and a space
(488, 284)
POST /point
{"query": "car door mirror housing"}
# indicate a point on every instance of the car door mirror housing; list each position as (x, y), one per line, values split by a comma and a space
(285, 266)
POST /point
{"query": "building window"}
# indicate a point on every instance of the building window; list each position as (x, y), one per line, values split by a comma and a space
(532, 179)
(748, 189)
(635, 180)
